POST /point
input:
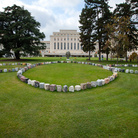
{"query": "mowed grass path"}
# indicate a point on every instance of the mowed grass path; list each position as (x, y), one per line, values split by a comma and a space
(67, 73)
(108, 111)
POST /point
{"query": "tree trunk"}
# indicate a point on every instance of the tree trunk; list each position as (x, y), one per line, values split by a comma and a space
(106, 56)
(89, 54)
(126, 59)
(99, 51)
(17, 55)
(117, 59)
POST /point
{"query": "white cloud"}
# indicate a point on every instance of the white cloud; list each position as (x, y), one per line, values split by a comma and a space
(53, 15)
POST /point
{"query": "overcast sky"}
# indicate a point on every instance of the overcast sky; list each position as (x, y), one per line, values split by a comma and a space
(54, 15)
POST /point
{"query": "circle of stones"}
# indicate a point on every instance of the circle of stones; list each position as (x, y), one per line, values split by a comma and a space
(53, 87)
(65, 88)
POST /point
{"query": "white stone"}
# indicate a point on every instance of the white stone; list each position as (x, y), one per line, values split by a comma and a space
(46, 86)
(99, 82)
(12, 63)
(71, 89)
(103, 81)
(19, 72)
(41, 85)
(131, 71)
(33, 82)
(29, 82)
(5, 70)
(127, 70)
(93, 83)
(16, 69)
(77, 87)
(136, 71)
(59, 88)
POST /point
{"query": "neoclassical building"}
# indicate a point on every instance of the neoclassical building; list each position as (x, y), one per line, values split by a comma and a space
(63, 41)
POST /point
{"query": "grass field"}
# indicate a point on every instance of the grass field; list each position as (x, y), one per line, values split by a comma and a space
(108, 111)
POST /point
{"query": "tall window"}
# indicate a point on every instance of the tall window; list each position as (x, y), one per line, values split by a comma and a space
(57, 45)
(64, 46)
(78, 46)
(68, 46)
(54, 45)
(71, 46)
(61, 46)
(74, 46)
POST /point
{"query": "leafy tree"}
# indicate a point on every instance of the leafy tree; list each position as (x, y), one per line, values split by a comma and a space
(19, 31)
(117, 32)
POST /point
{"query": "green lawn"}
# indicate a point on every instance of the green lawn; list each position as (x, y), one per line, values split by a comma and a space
(108, 111)
(67, 74)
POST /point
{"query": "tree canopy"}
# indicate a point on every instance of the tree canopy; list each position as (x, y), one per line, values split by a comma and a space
(19, 31)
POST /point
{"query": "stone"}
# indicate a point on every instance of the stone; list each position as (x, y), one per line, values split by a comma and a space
(65, 88)
(36, 84)
(9, 70)
(33, 82)
(15, 63)
(4, 64)
(19, 72)
(0, 70)
(83, 86)
(127, 71)
(131, 71)
(47, 86)
(13, 69)
(26, 80)
(59, 88)
(115, 74)
(23, 70)
(77, 87)
(122, 70)
(29, 82)
(5, 70)
(12, 63)
(41, 85)
(99, 82)
(103, 81)
(52, 87)
(71, 89)
(89, 85)
(136, 71)
(107, 80)
(23, 78)
(16, 69)
(93, 83)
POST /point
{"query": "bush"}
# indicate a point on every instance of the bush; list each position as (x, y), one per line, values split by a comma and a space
(133, 56)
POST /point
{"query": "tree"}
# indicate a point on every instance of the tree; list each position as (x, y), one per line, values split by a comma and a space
(117, 32)
(19, 31)
(101, 10)
(128, 11)
(86, 19)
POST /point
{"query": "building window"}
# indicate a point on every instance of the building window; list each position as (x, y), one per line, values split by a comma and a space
(58, 39)
(57, 45)
(71, 39)
(74, 39)
(61, 46)
(61, 39)
(54, 39)
(68, 46)
(78, 46)
(64, 39)
(54, 45)
(81, 48)
(71, 46)
(74, 46)
(64, 46)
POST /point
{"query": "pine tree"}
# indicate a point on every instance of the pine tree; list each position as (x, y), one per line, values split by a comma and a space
(128, 11)
(101, 10)
(19, 31)
(86, 29)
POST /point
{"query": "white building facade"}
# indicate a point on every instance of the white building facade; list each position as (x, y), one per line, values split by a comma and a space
(63, 41)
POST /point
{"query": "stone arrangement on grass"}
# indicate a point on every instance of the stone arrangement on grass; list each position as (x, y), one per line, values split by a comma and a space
(65, 88)
(53, 87)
